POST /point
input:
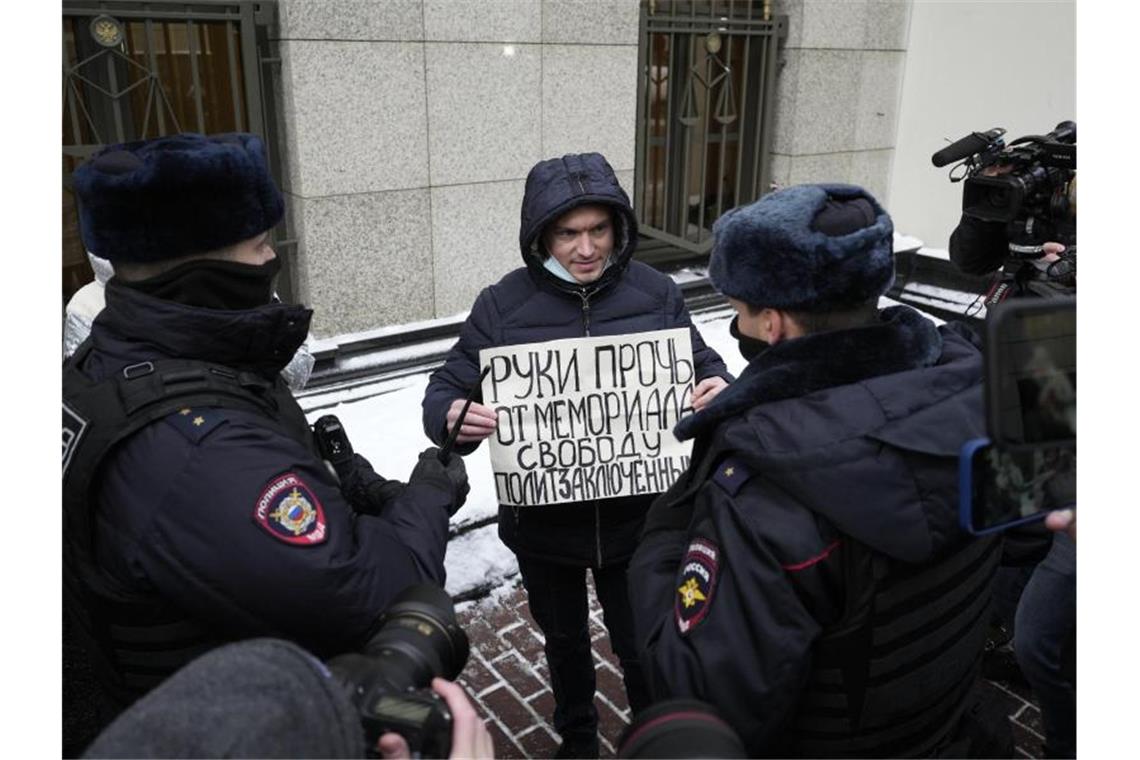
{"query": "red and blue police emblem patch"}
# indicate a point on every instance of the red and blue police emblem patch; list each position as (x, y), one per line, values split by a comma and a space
(697, 584)
(289, 511)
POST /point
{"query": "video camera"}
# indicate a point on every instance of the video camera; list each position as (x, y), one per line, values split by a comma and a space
(1028, 465)
(418, 639)
(1032, 191)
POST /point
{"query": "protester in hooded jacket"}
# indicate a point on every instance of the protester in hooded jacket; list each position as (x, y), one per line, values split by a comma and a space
(807, 575)
(577, 239)
(215, 521)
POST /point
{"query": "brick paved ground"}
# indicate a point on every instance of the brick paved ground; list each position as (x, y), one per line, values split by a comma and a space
(507, 679)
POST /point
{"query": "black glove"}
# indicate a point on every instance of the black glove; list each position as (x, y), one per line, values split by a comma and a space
(368, 492)
(451, 477)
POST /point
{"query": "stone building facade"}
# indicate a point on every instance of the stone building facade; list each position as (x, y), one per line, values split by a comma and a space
(409, 126)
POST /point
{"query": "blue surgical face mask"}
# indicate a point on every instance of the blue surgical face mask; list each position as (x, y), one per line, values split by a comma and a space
(551, 265)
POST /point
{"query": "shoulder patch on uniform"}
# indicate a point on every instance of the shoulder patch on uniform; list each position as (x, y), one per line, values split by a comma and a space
(289, 511)
(731, 475)
(697, 584)
(197, 422)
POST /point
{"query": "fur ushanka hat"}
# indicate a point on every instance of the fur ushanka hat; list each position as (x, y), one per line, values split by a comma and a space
(805, 248)
(173, 196)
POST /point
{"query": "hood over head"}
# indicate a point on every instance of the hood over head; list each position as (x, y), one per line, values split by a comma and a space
(558, 185)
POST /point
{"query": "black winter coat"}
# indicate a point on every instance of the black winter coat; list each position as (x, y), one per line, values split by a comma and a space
(179, 504)
(823, 441)
(531, 305)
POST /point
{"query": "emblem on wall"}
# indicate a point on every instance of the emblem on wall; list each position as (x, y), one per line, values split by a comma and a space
(107, 31)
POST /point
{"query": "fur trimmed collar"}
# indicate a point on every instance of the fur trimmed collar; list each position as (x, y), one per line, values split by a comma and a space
(903, 340)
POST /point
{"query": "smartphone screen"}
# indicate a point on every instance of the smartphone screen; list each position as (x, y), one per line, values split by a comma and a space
(1031, 383)
(1012, 486)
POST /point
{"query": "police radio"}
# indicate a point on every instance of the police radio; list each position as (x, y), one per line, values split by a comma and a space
(332, 441)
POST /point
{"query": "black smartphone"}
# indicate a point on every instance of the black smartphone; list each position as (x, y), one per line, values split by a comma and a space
(1031, 372)
(1000, 487)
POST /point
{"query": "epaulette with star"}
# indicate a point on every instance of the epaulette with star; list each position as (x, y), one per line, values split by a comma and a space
(731, 475)
(197, 422)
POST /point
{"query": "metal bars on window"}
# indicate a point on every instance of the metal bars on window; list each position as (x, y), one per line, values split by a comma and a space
(706, 91)
(178, 67)
(134, 70)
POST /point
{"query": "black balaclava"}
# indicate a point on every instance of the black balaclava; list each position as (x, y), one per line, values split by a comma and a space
(749, 347)
(214, 284)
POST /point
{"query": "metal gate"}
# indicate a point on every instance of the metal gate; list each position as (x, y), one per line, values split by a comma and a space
(136, 70)
(705, 96)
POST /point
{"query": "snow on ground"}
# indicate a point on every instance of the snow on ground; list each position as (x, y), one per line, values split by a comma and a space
(383, 421)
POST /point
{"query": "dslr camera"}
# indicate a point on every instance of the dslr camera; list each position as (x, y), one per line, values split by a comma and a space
(1031, 191)
(389, 680)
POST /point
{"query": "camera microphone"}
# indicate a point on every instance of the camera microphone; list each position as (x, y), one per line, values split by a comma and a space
(975, 142)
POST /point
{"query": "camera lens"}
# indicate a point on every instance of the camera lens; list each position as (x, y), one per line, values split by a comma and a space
(419, 638)
(680, 728)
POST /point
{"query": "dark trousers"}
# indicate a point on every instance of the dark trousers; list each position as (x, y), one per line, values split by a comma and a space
(1045, 644)
(556, 595)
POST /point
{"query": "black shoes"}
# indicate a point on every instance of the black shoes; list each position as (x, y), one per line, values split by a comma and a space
(578, 746)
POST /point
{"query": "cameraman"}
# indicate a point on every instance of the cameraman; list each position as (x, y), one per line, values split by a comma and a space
(1035, 588)
(978, 247)
(266, 698)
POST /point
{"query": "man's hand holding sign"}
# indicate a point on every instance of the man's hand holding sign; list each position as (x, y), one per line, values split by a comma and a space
(480, 421)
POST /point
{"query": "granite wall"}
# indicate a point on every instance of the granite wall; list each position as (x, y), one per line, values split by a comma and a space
(838, 91)
(409, 126)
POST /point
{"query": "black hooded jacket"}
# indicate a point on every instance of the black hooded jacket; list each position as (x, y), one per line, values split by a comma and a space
(828, 450)
(531, 305)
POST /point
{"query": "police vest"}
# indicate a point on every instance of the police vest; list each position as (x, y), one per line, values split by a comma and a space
(135, 639)
(891, 677)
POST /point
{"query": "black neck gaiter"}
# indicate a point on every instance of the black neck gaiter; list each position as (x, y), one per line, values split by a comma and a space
(750, 347)
(214, 284)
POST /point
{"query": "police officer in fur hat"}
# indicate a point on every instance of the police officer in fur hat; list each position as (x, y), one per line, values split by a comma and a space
(196, 509)
(807, 574)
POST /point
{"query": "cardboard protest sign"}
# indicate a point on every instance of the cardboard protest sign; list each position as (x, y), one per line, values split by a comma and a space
(588, 418)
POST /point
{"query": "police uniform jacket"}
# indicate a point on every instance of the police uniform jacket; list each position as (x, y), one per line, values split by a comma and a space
(225, 517)
(531, 305)
(828, 467)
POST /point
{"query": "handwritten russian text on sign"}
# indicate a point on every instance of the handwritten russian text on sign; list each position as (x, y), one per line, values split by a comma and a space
(589, 418)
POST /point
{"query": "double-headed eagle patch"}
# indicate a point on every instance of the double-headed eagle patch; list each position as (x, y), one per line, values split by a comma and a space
(697, 584)
(289, 511)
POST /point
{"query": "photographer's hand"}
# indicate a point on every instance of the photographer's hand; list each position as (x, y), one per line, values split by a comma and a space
(469, 737)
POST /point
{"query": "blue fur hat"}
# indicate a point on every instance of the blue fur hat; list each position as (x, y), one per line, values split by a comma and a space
(805, 248)
(173, 196)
